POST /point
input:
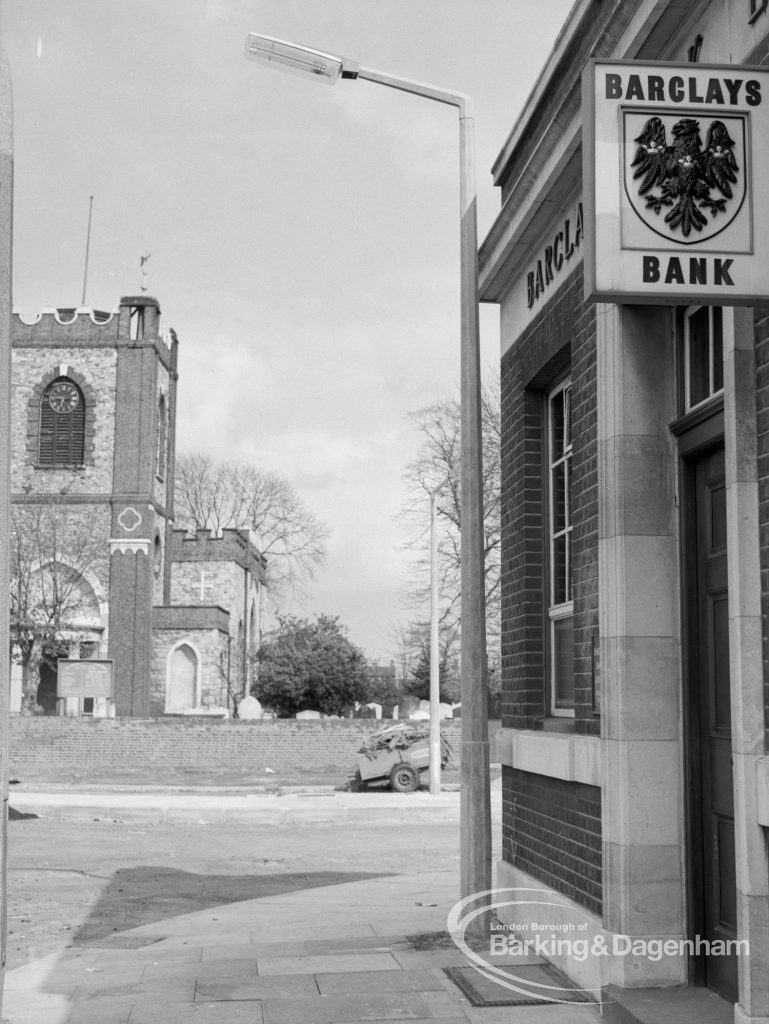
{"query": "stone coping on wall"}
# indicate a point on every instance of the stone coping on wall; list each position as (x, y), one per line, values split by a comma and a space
(350, 724)
(190, 617)
(570, 756)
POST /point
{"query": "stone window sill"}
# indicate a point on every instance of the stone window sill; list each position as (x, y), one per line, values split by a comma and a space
(560, 724)
(558, 755)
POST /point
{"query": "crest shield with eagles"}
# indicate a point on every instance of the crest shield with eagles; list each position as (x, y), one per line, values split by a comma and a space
(685, 176)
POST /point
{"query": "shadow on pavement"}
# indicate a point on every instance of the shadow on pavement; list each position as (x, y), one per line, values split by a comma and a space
(143, 895)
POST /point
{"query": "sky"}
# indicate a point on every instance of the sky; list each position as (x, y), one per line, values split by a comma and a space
(304, 238)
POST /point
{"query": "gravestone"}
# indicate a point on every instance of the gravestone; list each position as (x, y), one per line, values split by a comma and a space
(406, 706)
(249, 708)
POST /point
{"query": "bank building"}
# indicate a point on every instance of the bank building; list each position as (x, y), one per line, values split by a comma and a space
(157, 621)
(630, 263)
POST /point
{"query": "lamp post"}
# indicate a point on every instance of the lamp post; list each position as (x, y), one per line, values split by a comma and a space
(475, 812)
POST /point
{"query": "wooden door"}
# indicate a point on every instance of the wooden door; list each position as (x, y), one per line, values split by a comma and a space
(712, 791)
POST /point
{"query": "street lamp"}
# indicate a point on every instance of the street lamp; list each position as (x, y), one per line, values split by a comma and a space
(475, 812)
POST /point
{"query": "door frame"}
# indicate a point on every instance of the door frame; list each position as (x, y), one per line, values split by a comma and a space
(696, 436)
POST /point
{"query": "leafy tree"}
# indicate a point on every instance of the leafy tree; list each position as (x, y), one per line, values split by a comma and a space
(419, 683)
(51, 550)
(304, 665)
(211, 495)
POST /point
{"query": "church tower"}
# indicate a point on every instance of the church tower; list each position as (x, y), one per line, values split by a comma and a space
(142, 499)
(93, 423)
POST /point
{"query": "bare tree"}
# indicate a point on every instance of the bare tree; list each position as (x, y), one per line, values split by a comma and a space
(438, 459)
(214, 495)
(51, 550)
(406, 645)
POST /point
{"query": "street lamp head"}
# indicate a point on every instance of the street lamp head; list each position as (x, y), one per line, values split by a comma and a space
(298, 60)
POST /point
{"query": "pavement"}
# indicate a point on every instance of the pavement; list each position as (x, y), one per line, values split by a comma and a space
(207, 805)
(334, 955)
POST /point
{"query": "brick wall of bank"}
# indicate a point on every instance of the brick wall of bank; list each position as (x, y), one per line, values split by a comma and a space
(561, 338)
(762, 432)
(86, 750)
(552, 829)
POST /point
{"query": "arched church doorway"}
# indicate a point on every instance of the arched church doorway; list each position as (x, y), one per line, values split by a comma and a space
(182, 678)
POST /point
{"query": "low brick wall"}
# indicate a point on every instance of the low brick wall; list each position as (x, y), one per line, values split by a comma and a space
(59, 750)
(552, 829)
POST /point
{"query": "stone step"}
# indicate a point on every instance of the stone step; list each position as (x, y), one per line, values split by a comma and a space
(684, 1005)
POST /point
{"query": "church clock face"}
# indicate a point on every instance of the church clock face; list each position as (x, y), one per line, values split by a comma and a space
(63, 397)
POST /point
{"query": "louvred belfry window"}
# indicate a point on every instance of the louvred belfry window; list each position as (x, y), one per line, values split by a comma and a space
(62, 425)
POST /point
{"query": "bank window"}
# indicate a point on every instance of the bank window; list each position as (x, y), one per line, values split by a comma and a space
(703, 355)
(560, 604)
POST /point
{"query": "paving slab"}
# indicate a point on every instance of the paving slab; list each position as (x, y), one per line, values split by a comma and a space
(154, 953)
(123, 974)
(341, 945)
(33, 976)
(227, 950)
(175, 990)
(209, 970)
(433, 1020)
(105, 1010)
(328, 963)
(446, 1003)
(416, 959)
(37, 1007)
(378, 981)
(343, 1009)
(194, 1013)
(259, 988)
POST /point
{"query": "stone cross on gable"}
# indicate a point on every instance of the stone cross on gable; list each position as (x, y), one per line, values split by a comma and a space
(143, 264)
(203, 585)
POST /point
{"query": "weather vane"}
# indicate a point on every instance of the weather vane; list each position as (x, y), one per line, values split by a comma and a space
(143, 264)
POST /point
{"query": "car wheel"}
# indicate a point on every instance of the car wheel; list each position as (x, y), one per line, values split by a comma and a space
(404, 778)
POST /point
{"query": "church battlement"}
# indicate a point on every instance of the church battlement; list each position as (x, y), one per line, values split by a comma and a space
(135, 322)
(232, 546)
(67, 315)
(66, 325)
